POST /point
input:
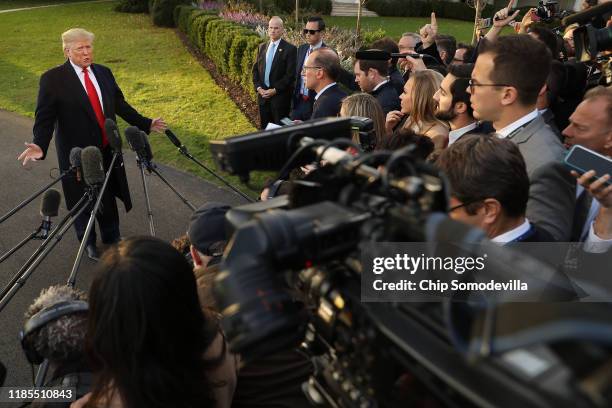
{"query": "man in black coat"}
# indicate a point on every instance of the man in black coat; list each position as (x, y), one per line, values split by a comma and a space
(320, 74)
(274, 75)
(74, 100)
(371, 76)
(303, 98)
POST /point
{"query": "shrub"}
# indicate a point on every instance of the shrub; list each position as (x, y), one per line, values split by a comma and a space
(162, 11)
(133, 6)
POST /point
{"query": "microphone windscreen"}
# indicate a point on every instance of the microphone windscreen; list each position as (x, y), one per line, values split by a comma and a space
(93, 168)
(373, 55)
(132, 134)
(587, 15)
(49, 206)
(147, 147)
(75, 157)
(175, 141)
(112, 133)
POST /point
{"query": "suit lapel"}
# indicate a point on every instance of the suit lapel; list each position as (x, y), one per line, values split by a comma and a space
(526, 132)
(73, 83)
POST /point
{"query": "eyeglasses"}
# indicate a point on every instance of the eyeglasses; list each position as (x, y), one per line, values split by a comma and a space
(311, 32)
(450, 210)
(305, 67)
(473, 84)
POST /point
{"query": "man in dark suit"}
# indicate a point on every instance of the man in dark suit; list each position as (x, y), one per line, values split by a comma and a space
(371, 76)
(454, 104)
(506, 94)
(74, 99)
(274, 75)
(490, 188)
(303, 98)
(320, 73)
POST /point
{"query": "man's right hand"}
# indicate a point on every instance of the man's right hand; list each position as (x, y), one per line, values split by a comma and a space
(503, 17)
(32, 152)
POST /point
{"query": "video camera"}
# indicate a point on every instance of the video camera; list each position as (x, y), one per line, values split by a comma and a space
(292, 270)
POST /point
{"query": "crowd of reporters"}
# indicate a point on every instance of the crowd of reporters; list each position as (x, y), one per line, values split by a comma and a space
(496, 118)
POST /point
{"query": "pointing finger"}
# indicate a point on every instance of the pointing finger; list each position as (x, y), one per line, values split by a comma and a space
(433, 18)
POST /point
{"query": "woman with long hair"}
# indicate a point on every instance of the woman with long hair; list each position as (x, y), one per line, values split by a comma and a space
(365, 105)
(150, 343)
(418, 108)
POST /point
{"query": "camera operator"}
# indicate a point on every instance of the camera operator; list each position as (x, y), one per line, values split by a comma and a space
(320, 73)
(591, 127)
(508, 76)
(61, 341)
(490, 188)
(454, 104)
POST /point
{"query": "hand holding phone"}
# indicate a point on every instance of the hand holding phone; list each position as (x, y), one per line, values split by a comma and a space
(581, 160)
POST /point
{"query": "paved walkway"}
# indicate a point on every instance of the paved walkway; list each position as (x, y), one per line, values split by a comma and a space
(17, 183)
(52, 5)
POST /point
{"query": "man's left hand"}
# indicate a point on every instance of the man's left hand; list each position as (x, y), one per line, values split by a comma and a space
(158, 125)
(269, 93)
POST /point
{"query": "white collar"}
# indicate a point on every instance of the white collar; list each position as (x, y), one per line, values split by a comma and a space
(453, 135)
(542, 111)
(513, 234)
(505, 132)
(275, 43)
(79, 70)
(323, 90)
(316, 46)
(379, 85)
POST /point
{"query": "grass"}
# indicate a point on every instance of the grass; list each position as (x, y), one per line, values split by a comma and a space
(396, 26)
(157, 74)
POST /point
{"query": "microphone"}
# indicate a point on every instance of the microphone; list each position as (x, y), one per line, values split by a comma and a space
(587, 15)
(49, 207)
(93, 169)
(112, 133)
(148, 153)
(132, 134)
(75, 161)
(175, 141)
(378, 55)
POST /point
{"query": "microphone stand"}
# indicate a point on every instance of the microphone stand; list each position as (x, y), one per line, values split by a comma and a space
(33, 196)
(19, 245)
(141, 166)
(41, 253)
(92, 217)
(152, 168)
(183, 150)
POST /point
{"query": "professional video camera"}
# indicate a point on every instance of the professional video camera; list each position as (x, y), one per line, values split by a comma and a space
(292, 270)
(549, 10)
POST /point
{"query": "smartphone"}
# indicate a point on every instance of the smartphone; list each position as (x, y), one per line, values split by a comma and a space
(582, 160)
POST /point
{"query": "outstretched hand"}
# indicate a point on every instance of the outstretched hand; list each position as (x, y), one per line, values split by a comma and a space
(158, 125)
(503, 17)
(33, 152)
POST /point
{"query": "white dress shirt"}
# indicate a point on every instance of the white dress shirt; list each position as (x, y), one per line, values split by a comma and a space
(513, 234)
(453, 135)
(94, 81)
(379, 85)
(323, 90)
(505, 132)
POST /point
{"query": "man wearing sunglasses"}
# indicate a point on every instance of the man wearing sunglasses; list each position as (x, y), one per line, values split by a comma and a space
(303, 98)
(507, 78)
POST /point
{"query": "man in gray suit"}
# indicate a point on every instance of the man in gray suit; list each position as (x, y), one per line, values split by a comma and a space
(507, 78)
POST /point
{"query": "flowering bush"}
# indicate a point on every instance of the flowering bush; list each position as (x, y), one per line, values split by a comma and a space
(210, 5)
(245, 18)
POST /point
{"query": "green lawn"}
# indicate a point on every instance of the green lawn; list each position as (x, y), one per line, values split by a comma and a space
(156, 73)
(396, 26)
(15, 4)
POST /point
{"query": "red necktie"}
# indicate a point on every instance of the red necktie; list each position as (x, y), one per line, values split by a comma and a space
(95, 104)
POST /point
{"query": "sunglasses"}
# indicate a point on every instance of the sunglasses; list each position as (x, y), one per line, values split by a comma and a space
(311, 32)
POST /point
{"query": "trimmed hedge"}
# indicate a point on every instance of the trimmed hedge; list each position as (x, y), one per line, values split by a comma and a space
(162, 11)
(232, 47)
(133, 6)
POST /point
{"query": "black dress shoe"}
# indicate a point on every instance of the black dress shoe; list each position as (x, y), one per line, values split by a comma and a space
(92, 252)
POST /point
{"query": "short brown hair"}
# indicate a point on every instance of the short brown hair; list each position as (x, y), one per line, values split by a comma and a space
(484, 166)
(379, 65)
(521, 62)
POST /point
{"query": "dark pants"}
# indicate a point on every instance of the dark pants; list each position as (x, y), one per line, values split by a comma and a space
(273, 109)
(107, 215)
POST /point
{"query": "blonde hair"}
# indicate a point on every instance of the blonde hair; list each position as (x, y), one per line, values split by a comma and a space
(365, 105)
(75, 34)
(425, 85)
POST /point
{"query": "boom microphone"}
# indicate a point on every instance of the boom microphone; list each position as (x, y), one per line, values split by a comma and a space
(132, 134)
(93, 169)
(175, 141)
(378, 55)
(148, 153)
(587, 15)
(49, 207)
(112, 133)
